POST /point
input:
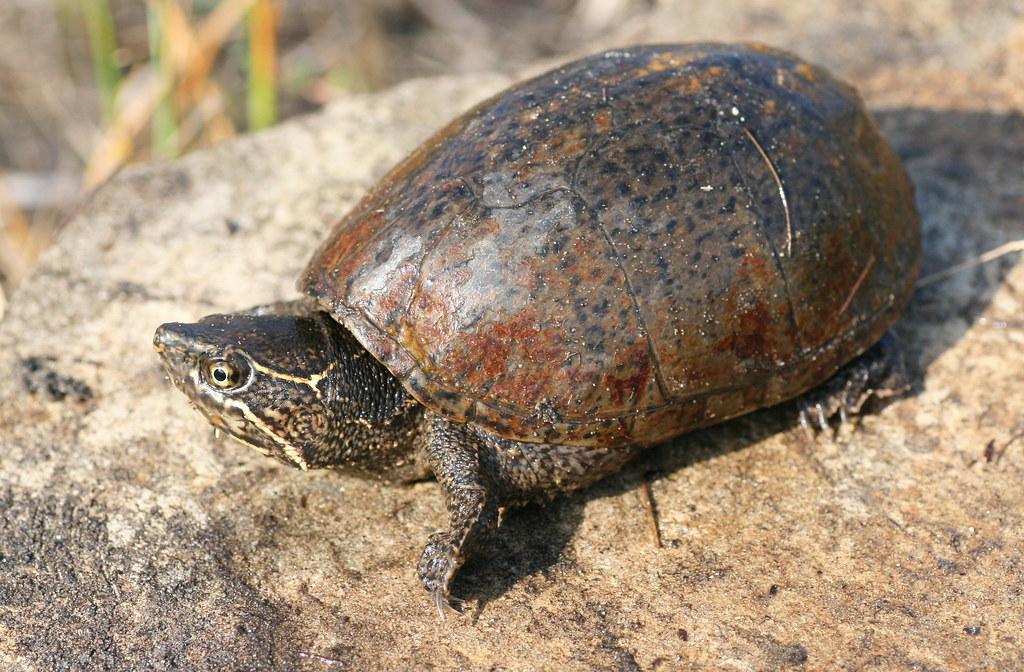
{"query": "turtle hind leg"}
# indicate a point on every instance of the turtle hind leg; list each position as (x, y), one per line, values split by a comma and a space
(879, 373)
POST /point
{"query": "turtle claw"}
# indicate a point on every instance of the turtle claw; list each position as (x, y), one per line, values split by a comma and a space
(441, 602)
(879, 373)
(805, 421)
(819, 415)
(813, 417)
(437, 567)
(444, 603)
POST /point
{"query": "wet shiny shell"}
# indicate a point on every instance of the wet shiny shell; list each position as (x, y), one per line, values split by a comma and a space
(632, 246)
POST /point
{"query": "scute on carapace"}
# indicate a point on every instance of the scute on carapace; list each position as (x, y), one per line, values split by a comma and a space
(631, 246)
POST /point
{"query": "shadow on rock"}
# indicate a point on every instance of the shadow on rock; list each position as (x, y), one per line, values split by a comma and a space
(533, 539)
(967, 168)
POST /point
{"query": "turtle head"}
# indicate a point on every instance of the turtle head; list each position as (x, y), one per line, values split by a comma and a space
(264, 380)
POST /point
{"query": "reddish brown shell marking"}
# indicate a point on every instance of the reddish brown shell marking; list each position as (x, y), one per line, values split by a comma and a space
(629, 247)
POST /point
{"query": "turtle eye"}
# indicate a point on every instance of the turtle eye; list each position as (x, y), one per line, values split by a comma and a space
(224, 374)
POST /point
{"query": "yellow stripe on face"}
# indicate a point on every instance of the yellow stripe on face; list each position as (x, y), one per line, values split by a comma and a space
(312, 381)
(290, 451)
(258, 449)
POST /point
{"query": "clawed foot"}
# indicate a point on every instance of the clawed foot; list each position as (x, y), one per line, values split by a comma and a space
(877, 374)
(818, 407)
(440, 561)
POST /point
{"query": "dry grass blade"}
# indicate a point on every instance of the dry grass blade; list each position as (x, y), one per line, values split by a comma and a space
(212, 34)
(20, 244)
(782, 190)
(143, 91)
(984, 258)
(197, 96)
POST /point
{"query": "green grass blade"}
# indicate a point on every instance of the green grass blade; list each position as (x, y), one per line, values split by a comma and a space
(165, 118)
(99, 23)
(261, 97)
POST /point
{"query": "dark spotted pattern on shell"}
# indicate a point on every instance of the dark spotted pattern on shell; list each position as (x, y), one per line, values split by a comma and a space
(632, 246)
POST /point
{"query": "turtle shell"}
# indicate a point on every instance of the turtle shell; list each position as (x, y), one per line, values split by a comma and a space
(631, 246)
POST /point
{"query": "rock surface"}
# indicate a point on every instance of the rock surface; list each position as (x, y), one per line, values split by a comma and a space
(131, 539)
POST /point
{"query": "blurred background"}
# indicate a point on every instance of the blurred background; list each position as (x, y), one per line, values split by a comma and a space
(88, 86)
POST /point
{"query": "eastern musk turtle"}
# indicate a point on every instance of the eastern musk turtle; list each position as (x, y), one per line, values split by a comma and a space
(624, 249)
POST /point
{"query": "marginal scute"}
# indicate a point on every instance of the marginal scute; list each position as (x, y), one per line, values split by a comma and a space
(632, 246)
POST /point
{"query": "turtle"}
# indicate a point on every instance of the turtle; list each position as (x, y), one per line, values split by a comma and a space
(619, 251)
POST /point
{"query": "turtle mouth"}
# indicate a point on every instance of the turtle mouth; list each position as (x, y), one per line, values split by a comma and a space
(176, 350)
(181, 361)
(181, 352)
(179, 368)
(224, 419)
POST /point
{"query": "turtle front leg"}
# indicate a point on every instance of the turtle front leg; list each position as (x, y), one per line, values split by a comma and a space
(454, 456)
(879, 373)
(482, 473)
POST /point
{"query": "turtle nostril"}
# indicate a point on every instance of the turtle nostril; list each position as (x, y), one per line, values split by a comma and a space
(167, 336)
(160, 338)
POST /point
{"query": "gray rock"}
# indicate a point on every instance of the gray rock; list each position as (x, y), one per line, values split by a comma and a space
(131, 539)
